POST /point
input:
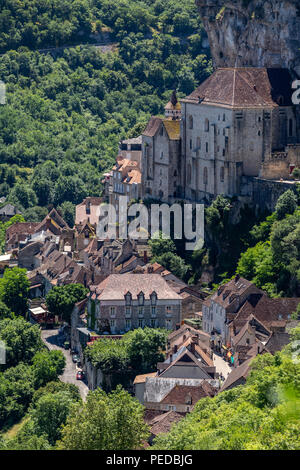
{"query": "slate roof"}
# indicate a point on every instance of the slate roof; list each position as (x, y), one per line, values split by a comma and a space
(245, 87)
(152, 126)
(115, 286)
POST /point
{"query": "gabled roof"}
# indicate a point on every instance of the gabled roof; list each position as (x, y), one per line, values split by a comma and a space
(178, 395)
(245, 87)
(182, 354)
(163, 422)
(238, 373)
(152, 126)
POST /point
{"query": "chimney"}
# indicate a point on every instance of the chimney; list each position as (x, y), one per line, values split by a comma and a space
(145, 257)
(175, 348)
(237, 277)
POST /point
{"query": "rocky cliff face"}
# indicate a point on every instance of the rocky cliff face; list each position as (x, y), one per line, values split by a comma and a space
(255, 33)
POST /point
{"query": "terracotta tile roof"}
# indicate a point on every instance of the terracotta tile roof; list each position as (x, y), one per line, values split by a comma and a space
(179, 394)
(277, 342)
(240, 372)
(172, 128)
(245, 87)
(226, 293)
(115, 286)
(163, 422)
(134, 176)
(56, 220)
(251, 322)
(81, 213)
(139, 379)
(26, 228)
(152, 126)
(271, 312)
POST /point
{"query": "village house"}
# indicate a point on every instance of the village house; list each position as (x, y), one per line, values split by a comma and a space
(7, 212)
(161, 159)
(126, 301)
(88, 211)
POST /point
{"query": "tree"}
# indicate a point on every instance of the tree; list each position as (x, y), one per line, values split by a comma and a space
(50, 413)
(286, 204)
(22, 340)
(67, 210)
(5, 312)
(159, 246)
(105, 422)
(47, 366)
(14, 287)
(145, 348)
(173, 263)
(61, 299)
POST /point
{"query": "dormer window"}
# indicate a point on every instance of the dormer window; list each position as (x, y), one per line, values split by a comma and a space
(153, 298)
(141, 298)
(128, 298)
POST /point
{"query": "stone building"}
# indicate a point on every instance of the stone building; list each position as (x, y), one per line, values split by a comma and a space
(126, 301)
(239, 123)
(161, 155)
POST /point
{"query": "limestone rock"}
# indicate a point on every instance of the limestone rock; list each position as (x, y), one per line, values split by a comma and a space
(255, 33)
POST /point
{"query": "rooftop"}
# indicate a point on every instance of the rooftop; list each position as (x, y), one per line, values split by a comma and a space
(245, 87)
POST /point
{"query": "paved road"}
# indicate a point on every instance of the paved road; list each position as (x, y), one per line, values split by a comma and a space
(221, 365)
(69, 376)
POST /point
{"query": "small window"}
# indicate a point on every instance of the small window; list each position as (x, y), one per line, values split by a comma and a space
(206, 146)
(206, 125)
(205, 175)
(222, 174)
(191, 122)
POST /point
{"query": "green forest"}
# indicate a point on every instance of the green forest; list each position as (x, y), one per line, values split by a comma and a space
(66, 113)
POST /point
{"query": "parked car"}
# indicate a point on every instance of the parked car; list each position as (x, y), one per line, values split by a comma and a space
(67, 345)
(75, 358)
(80, 375)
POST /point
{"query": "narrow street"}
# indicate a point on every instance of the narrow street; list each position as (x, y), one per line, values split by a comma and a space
(222, 367)
(50, 337)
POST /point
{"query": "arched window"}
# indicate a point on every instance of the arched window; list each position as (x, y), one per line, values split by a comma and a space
(290, 127)
(189, 173)
(205, 175)
(206, 125)
(191, 122)
(222, 174)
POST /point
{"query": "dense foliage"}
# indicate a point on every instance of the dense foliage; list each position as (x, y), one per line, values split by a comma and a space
(273, 260)
(137, 352)
(61, 299)
(261, 415)
(28, 366)
(65, 115)
(105, 422)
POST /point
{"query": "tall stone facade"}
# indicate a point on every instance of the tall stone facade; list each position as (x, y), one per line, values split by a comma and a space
(240, 122)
